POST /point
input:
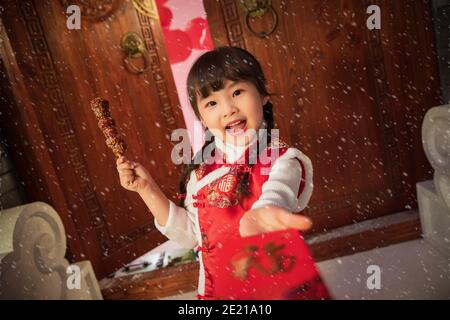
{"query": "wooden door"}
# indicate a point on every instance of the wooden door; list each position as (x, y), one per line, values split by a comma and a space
(51, 75)
(351, 98)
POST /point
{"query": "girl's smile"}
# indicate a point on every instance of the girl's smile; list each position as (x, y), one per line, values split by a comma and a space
(236, 128)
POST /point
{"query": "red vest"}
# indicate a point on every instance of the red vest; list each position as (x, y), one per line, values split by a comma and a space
(243, 268)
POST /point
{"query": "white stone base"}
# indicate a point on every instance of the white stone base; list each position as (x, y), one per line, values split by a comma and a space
(408, 270)
(434, 217)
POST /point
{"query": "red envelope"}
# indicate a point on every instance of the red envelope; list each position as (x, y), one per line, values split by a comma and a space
(271, 266)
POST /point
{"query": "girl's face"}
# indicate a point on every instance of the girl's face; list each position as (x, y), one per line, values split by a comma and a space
(230, 112)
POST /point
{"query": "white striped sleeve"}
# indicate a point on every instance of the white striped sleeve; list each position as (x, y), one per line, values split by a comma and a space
(285, 180)
(180, 226)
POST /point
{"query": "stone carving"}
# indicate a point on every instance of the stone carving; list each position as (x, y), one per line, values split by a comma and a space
(436, 144)
(32, 250)
(434, 195)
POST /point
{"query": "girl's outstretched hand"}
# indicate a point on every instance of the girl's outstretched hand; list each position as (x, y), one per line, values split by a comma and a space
(271, 218)
(133, 176)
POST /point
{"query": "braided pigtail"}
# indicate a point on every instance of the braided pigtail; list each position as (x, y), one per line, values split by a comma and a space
(243, 188)
(188, 168)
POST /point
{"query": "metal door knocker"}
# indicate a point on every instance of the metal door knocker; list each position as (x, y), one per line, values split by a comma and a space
(134, 47)
(257, 9)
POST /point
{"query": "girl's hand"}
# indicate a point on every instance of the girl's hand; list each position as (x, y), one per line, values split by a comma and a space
(271, 218)
(133, 176)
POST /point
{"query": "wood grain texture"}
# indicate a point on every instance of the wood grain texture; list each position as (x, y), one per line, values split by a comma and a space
(352, 99)
(152, 285)
(62, 70)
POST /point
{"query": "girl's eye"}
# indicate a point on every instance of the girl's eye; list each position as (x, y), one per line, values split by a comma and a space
(210, 104)
(237, 92)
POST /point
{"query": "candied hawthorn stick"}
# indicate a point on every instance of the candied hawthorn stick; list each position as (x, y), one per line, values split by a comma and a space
(106, 123)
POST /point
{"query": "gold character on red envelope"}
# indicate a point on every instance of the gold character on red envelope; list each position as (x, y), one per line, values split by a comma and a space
(252, 257)
(274, 265)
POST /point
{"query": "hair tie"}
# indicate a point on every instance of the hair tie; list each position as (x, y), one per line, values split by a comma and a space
(181, 195)
(264, 124)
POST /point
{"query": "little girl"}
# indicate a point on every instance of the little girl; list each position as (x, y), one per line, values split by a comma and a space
(226, 196)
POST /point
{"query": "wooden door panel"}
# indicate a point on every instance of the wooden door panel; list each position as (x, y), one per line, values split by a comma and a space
(64, 69)
(351, 98)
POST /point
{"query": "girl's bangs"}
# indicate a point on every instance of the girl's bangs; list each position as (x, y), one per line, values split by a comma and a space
(214, 79)
(210, 72)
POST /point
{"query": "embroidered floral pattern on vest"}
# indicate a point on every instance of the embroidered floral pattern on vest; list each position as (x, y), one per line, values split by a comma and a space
(221, 193)
(218, 198)
(277, 143)
(200, 171)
